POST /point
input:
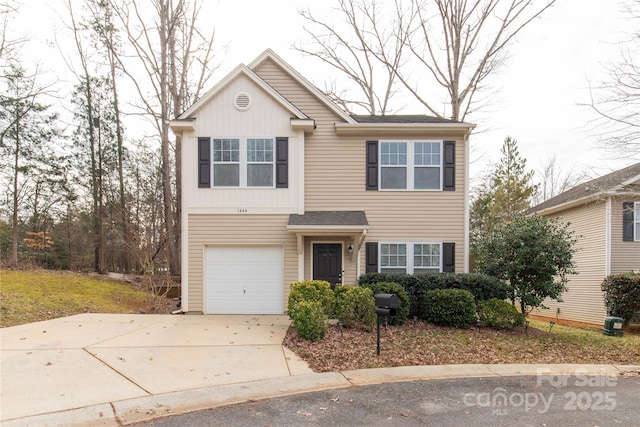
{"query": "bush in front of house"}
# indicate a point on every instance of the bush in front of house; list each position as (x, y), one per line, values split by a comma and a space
(355, 307)
(403, 300)
(309, 319)
(622, 295)
(449, 307)
(312, 290)
(499, 314)
(482, 286)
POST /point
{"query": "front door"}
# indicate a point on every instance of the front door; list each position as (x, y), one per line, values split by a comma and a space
(327, 262)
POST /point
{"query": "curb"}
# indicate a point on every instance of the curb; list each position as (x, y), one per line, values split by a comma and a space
(141, 409)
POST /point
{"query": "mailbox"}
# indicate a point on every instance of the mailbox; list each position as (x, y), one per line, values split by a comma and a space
(386, 304)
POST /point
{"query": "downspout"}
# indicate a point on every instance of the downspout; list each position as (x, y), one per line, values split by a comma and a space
(466, 202)
(607, 265)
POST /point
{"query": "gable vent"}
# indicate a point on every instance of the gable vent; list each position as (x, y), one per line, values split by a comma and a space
(242, 102)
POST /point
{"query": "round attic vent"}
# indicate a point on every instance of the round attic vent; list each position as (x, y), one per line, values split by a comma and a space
(242, 101)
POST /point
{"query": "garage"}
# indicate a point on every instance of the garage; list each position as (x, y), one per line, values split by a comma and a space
(244, 280)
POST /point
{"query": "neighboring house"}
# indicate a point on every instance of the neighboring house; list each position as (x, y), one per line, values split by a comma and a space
(281, 185)
(605, 213)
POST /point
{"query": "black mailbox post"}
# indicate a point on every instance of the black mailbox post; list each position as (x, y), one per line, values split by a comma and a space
(386, 305)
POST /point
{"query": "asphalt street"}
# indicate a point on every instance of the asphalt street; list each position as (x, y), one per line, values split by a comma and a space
(561, 400)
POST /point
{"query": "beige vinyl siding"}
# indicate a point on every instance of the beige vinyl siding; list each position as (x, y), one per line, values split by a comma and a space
(625, 256)
(583, 301)
(236, 230)
(335, 179)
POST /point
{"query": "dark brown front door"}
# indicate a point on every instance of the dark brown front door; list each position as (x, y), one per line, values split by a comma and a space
(327, 262)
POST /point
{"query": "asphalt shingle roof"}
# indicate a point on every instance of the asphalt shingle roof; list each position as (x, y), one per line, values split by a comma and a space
(328, 218)
(590, 188)
(400, 118)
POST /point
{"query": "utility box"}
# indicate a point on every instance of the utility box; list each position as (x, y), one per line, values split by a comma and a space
(613, 326)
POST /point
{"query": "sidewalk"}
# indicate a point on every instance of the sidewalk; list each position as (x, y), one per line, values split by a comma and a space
(113, 370)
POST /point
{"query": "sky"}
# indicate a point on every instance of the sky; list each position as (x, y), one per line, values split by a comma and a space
(539, 94)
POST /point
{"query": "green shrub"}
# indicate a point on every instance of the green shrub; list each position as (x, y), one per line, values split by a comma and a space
(482, 286)
(449, 307)
(312, 290)
(309, 320)
(403, 300)
(355, 307)
(500, 314)
(622, 295)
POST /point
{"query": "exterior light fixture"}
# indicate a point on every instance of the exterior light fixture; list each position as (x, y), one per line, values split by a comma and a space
(350, 249)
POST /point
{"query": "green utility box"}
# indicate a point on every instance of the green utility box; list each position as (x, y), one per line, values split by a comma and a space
(613, 326)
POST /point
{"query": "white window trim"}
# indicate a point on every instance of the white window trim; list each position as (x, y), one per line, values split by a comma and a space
(243, 162)
(636, 221)
(410, 254)
(410, 166)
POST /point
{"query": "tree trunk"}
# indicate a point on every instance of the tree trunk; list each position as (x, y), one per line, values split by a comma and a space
(14, 224)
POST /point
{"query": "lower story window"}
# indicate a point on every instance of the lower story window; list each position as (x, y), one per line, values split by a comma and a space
(410, 257)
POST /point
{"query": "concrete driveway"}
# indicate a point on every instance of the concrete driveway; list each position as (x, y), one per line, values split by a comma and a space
(92, 359)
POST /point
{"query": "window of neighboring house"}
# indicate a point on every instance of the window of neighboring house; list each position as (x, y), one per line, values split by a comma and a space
(410, 165)
(243, 162)
(410, 257)
(636, 221)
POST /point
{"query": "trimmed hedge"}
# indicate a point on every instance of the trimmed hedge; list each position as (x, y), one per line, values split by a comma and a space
(499, 314)
(449, 307)
(355, 307)
(403, 300)
(481, 286)
(622, 295)
(312, 290)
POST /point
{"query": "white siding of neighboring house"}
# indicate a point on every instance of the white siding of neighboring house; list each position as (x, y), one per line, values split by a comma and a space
(583, 301)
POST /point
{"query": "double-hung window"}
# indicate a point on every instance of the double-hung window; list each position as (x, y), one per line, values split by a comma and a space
(410, 165)
(243, 162)
(410, 257)
(636, 221)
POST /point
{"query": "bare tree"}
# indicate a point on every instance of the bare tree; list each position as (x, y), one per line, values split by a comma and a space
(553, 180)
(616, 101)
(362, 47)
(452, 47)
(177, 60)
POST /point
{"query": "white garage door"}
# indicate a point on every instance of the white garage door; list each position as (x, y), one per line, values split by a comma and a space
(244, 280)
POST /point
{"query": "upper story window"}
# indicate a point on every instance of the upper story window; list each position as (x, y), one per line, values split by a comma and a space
(243, 162)
(410, 165)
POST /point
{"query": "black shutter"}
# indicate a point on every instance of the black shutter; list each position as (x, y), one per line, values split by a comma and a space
(282, 162)
(449, 169)
(627, 221)
(372, 165)
(448, 257)
(204, 162)
(371, 255)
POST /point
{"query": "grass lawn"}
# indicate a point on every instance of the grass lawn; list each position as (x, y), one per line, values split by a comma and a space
(31, 296)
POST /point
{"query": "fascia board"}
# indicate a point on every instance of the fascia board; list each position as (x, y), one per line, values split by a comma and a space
(242, 69)
(409, 129)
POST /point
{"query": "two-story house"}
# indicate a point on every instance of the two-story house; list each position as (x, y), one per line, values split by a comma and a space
(279, 185)
(605, 215)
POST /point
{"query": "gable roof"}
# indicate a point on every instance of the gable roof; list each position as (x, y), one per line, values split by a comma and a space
(269, 54)
(238, 71)
(605, 185)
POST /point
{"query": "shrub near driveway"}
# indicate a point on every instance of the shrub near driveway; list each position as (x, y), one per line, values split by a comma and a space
(355, 307)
